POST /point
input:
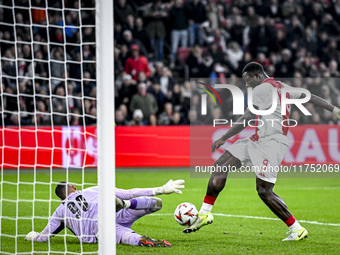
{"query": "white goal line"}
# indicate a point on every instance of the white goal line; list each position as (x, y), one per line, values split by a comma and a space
(256, 217)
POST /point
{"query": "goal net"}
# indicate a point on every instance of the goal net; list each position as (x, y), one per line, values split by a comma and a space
(48, 116)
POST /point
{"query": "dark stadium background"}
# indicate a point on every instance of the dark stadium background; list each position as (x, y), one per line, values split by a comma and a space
(289, 38)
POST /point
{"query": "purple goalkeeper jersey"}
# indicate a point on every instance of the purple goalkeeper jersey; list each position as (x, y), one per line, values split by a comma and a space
(79, 211)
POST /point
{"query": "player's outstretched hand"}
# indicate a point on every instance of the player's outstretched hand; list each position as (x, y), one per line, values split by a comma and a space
(217, 144)
(170, 187)
(31, 235)
(336, 111)
(173, 186)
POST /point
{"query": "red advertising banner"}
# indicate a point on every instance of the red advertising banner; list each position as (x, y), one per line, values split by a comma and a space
(166, 146)
(307, 144)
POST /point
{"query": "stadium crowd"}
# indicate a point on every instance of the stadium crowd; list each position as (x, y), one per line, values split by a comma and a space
(297, 41)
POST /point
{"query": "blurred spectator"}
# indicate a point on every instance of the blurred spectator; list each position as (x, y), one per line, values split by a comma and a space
(192, 116)
(122, 10)
(155, 28)
(59, 107)
(178, 19)
(285, 67)
(123, 108)
(306, 67)
(76, 118)
(69, 28)
(137, 118)
(129, 41)
(141, 34)
(57, 65)
(235, 54)
(43, 118)
(237, 30)
(331, 99)
(91, 119)
(196, 16)
(129, 23)
(165, 117)
(333, 69)
(156, 91)
(136, 63)
(153, 120)
(165, 80)
(176, 98)
(87, 85)
(120, 119)
(176, 119)
(195, 63)
(144, 101)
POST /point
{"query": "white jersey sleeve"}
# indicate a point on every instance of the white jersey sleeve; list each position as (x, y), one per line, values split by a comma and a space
(262, 96)
(293, 94)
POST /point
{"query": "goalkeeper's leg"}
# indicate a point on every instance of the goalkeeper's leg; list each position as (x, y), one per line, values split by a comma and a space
(215, 186)
(129, 237)
(143, 203)
(126, 217)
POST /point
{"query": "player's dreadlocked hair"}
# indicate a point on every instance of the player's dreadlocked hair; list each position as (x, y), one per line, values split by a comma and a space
(60, 190)
(253, 68)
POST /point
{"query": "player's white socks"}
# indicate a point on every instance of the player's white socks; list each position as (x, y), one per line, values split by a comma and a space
(205, 208)
(296, 226)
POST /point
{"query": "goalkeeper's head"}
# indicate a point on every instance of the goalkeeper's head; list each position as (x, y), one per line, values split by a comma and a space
(63, 189)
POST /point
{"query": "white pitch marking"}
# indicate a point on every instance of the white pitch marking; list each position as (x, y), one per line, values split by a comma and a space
(255, 217)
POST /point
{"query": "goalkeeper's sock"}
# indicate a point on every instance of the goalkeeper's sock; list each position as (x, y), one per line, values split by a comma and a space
(131, 239)
(208, 204)
(141, 203)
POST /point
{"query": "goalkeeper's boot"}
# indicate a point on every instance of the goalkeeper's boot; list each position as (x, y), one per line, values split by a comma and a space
(202, 220)
(296, 235)
(149, 242)
(119, 204)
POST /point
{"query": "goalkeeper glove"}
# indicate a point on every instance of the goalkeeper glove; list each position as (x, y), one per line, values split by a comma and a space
(336, 111)
(170, 187)
(31, 235)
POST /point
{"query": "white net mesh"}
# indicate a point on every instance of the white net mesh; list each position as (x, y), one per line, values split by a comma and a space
(48, 116)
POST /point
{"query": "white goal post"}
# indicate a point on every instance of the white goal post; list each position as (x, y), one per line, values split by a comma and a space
(56, 118)
(106, 130)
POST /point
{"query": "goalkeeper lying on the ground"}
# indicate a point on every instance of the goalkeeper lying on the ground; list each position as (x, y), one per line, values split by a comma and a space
(79, 209)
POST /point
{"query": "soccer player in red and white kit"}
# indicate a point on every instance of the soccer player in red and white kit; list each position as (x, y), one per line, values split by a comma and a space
(267, 147)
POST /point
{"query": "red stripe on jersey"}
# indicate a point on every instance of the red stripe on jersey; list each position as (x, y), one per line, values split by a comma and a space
(278, 85)
(255, 137)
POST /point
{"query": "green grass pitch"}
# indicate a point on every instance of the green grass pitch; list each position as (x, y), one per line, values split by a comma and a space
(308, 199)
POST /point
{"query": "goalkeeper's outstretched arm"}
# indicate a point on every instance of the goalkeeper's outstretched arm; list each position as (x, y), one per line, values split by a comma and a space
(54, 226)
(168, 188)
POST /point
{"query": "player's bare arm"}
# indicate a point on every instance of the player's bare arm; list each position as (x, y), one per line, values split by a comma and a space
(234, 130)
(318, 101)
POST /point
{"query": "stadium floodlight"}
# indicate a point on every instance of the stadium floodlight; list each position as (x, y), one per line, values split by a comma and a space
(47, 45)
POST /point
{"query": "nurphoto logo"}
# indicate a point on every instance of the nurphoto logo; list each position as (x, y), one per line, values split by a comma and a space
(238, 99)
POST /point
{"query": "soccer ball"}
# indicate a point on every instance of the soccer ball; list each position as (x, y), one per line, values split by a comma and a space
(186, 214)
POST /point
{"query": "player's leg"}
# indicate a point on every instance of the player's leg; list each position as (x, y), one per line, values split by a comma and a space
(126, 217)
(143, 203)
(272, 200)
(218, 179)
(280, 209)
(127, 236)
(215, 186)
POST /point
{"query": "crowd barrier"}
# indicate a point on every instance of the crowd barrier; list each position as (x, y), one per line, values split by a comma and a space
(167, 146)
